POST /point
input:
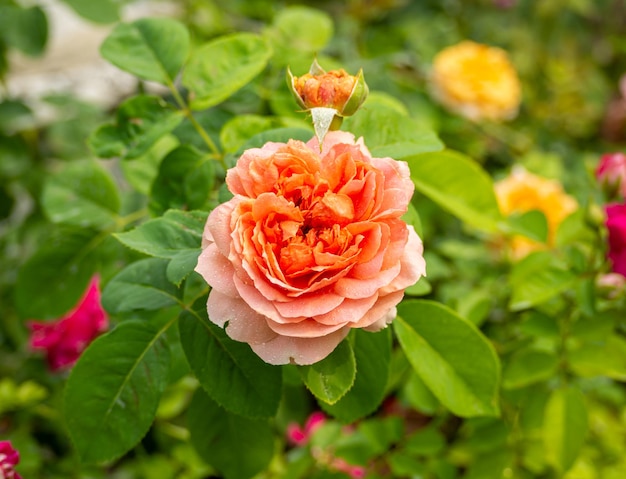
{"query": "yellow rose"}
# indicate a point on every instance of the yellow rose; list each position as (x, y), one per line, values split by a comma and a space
(476, 81)
(521, 192)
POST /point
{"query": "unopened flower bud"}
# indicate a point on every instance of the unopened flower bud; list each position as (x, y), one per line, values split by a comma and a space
(611, 285)
(611, 174)
(329, 96)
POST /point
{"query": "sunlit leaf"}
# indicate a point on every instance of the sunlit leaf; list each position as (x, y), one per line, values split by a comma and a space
(565, 427)
(457, 184)
(528, 366)
(219, 68)
(387, 132)
(333, 376)
(537, 278)
(451, 356)
(372, 352)
(151, 48)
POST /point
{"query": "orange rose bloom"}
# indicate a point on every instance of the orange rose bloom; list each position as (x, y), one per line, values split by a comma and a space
(477, 81)
(311, 245)
(521, 192)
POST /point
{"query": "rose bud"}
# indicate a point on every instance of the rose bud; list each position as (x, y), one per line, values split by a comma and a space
(329, 96)
(611, 174)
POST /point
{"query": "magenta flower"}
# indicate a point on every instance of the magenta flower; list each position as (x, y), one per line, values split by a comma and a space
(611, 174)
(9, 458)
(65, 339)
(299, 436)
(616, 224)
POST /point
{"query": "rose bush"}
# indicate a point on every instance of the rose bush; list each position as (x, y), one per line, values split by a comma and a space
(65, 339)
(310, 246)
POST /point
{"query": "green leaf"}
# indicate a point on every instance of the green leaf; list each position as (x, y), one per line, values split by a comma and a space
(388, 132)
(238, 447)
(228, 370)
(457, 184)
(140, 172)
(528, 366)
(185, 180)
(598, 327)
(537, 278)
(565, 427)
(239, 129)
(102, 11)
(219, 68)
(107, 141)
(150, 48)
(539, 325)
(426, 441)
(419, 396)
(82, 194)
(165, 237)
(50, 283)
(333, 376)
(24, 28)
(114, 390)
(532, 224)
(298, 32)
(600, 358)
(141, 285)
(452, 357)
(14, 116)
(372, 352)
(181, 265)
(492, 465)
(141, 121)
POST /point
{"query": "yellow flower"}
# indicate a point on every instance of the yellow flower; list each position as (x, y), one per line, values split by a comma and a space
(521, 192)
(476, 81)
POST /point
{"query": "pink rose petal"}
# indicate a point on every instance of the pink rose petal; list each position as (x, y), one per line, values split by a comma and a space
(311, 246)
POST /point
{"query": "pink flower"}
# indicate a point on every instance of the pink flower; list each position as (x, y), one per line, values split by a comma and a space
(65, 339)
(611, 285)
(616, 224)
(611, 173)
(300, 436)
(310, 246)
(9, 458)
(339, 464)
